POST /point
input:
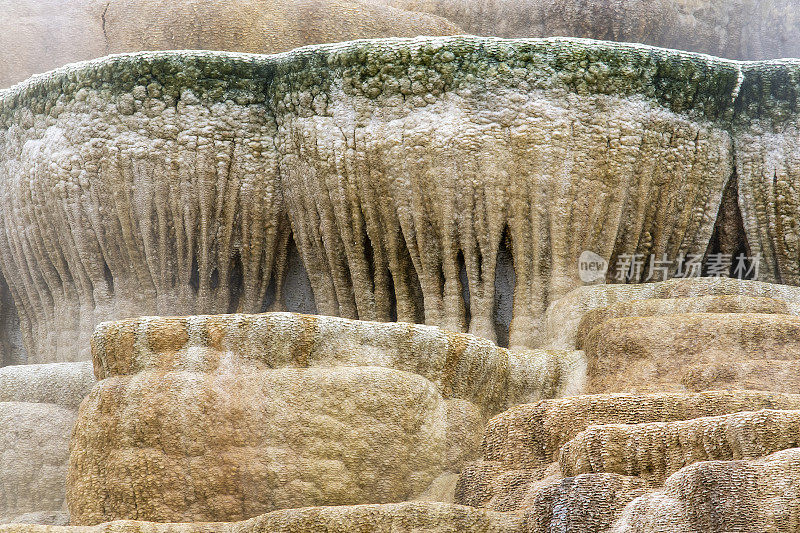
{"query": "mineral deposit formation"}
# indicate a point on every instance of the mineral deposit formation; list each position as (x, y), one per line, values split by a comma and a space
(450, 181)
(171, 221)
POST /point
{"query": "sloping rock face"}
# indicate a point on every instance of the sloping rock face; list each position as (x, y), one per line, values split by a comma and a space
(176, 182)
(228, 417)
(34, 438)
(38, 36)
(742, 29)
(569, 320)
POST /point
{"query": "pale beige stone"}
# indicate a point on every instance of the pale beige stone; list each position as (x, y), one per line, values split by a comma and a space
(672, 306)
(584, 503)
(530, 435)
(40, 35)
(460, 365)
(739, 29)
(407, 169)
(520, 446)
(226, 446)
(34, 440)
(222, 418)
(408, 517)
(63, 384)
(563, 318)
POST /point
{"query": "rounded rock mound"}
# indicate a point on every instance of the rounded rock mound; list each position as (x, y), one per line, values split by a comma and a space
(223, 418)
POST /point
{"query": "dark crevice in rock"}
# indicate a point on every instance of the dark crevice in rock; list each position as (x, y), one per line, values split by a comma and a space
(729, 237)
(392, 298)
(108, 277)
(235, 283)
(12, 350)
(269, 296)
(194, 277)
(505, 281)
(464, 280)
(298, 297)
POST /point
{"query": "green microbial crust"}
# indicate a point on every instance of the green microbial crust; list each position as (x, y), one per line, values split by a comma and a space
(423, 67)
(770, 91)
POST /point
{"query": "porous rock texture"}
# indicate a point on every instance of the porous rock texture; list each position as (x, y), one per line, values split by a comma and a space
(222, 418)
(36, 36)
(669, 352)
(653, 307)
(665, 461)
(451, 181)
(655, 450)
(409, 517)
(40, 35)
(722, 496)
(64, 384)
(738, 29)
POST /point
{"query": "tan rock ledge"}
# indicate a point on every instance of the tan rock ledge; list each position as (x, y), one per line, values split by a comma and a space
(222, 418)
(410, 517)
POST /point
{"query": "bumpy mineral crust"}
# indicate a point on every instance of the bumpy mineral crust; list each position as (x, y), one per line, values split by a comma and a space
(38, 35)
(460, 365)
(410, 174)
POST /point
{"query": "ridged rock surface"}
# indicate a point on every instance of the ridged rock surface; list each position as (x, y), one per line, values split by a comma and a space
(34, 439)
(40, 35)
(655, 450)
(584, 503)
(38, 407)
(387, 518)
(521, 447)
(672, 306)
(575, 314)
(739, 29)
(222, 418)
(169, 183)
(531, 435)
(64, 384)
(722, 496)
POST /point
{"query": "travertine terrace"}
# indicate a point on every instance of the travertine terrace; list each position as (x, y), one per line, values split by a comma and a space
(337, 288)
(420, 180)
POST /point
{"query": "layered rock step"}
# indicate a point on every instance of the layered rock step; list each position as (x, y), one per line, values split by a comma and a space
(223, 418)
(576, 464)
(569, 320)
